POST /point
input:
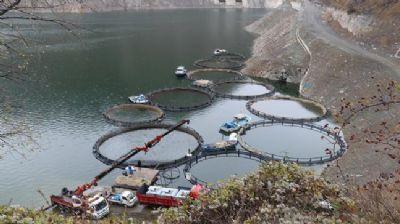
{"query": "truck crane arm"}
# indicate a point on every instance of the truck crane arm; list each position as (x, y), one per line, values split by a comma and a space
(79, 190)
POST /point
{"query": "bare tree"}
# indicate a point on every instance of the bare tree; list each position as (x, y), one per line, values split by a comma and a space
(14, 59)
(379, 198)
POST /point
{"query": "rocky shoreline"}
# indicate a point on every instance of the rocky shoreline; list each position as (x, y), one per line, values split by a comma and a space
(314, 45)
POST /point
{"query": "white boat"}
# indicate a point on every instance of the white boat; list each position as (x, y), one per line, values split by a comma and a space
(140, 99)
(180, 71)
(219, 51)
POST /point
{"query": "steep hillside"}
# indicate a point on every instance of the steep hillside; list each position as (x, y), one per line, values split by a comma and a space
(378, 22)
(384, 9)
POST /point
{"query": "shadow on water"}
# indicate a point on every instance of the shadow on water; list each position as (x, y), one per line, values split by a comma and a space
(290, 89)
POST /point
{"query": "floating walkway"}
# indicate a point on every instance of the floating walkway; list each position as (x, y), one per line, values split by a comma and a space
(137, 179)
(190, 75)
(210, 155)
(110, 116)
(224, 61)
(339, 140)
(228, 63)
(205, 92)
(147, 163)
(322, 108)
(270, 90)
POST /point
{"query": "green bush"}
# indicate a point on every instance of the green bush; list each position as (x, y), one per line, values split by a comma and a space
(276, 193)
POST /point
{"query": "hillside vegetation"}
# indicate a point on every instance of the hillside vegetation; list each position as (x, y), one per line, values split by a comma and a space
(276, 193)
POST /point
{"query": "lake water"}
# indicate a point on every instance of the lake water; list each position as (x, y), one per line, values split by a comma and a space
(73, 80)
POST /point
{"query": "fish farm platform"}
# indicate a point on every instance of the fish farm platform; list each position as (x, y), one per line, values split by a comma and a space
(137, 179)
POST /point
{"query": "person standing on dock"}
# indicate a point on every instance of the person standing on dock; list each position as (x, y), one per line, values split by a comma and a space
(130, 170)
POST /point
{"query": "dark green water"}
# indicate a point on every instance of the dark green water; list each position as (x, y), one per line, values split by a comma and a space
(74, 80)
(215, 76)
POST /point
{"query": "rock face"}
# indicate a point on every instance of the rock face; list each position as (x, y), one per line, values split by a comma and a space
(334, 54)
(112, 5)
(355, 24)
(276, 51)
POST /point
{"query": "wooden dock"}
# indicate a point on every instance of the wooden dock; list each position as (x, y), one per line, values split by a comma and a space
(137, 179)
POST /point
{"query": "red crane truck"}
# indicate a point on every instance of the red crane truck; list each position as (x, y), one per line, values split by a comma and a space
(97, 206)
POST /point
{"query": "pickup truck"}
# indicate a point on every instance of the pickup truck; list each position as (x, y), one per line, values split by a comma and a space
(125, 198)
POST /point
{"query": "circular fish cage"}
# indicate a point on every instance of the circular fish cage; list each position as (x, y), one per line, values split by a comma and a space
(224, 61)
(184, 93)
(335, 138)
(215, 73)
(322, 111)
(270, 90)
(171, 173)
(196, 159)
(120, 115)
(158, 164)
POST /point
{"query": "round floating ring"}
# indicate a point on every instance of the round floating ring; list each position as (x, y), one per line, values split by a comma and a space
(108, 115)
(147, 163)
(210, 155)
(224, 61)
(171, 173)
(324, 111)
(244, 97)
(337, 137)
(191, 73)
(206, 92)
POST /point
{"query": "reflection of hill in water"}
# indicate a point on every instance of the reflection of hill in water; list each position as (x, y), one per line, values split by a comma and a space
(223, 168)
(287, 141)
(216, 76)
(133, 115)
(288, 108)
(181, 98)
(241, 89)
(174, 146)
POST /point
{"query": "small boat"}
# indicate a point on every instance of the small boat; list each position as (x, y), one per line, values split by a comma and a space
(202, 83)
(140, 99)
(180, 71)
(229, 127)
(219, 51)
(239, 121)
(222, 145)
(242, 119)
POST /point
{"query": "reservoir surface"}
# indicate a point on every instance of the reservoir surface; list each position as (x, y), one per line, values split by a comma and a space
(72, 80)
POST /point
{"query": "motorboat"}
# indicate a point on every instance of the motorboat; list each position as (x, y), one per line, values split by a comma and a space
(180, 71)
(140, 99)
(229, 127)
(221, 145)
(219, 51)
(242, 119)
(239, 121)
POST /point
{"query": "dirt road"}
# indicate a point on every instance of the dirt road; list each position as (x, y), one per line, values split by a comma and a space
(313, 23)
